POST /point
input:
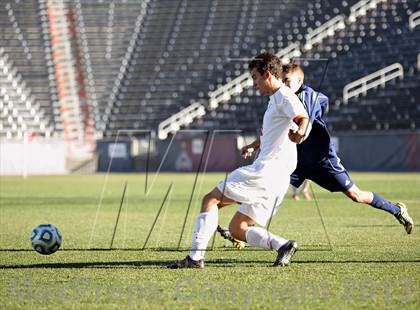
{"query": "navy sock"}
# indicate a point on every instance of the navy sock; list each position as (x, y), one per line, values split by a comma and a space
(383, 204)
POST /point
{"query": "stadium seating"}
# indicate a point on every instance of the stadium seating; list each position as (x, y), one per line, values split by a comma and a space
(376, 40)
(20, 113)
(22, 39)
(145, 62)
(105, 29)
(200, 46)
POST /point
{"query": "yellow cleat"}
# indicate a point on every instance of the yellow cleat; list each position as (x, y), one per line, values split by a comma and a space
(226, 235)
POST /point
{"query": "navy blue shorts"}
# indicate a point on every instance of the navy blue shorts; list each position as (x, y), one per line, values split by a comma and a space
(329, 174)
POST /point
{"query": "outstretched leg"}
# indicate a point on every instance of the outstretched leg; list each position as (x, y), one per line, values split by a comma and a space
(399, 210)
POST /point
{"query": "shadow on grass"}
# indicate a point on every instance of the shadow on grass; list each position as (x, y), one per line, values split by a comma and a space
(247, 249)
(369, 226)
(79, 265)
(239, 263)
(213, 263)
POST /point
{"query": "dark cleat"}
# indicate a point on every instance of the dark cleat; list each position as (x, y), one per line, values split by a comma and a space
(187, 262)
(285, 253)
(404, 218)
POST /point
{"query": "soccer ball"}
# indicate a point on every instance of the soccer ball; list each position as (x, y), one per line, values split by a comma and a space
(46, 239)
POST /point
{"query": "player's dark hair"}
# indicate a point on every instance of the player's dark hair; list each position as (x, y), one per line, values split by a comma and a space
(266, 61)
(291, 68)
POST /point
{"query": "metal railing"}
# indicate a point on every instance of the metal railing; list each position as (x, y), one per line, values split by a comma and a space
(414, 20)
(183, 117)
(418, 61)
(361, 8)
(287, 54)
(244, 81)
(325, 30)
(380, 77)
(223, 93)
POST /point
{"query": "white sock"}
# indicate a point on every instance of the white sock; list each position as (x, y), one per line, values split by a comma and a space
(260, 237)
(205, 226)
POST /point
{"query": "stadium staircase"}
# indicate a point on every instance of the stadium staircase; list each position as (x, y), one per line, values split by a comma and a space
(76, 114)
(109, 32)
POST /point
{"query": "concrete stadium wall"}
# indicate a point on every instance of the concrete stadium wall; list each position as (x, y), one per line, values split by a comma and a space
(35, 157)
(114, 156)
(360, 152)
(380, 152)
(182, 154)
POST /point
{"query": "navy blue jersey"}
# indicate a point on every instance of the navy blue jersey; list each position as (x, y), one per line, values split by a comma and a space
(318, 146)
(317, 159)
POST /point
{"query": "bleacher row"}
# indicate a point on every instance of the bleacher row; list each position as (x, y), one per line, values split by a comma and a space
(22, 40)
(374, 41)
(205, 47)
(185, 49)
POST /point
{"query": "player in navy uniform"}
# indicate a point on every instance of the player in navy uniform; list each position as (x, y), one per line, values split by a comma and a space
(317, 159)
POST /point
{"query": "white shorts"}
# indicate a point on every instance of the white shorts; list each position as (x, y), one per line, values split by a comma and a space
(259, 195)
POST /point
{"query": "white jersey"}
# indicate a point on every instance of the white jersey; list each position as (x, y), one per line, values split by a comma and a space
(260, 187)
(275, 145)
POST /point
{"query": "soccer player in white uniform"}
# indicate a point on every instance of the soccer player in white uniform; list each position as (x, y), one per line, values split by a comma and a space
(260, 187)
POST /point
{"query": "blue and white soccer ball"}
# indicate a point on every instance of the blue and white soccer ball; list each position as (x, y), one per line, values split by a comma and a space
(46, 239)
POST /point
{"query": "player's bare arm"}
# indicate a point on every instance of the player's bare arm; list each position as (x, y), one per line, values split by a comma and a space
(298, 135)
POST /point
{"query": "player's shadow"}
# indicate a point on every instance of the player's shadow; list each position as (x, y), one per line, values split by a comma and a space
(370, 225)
(240, 263)
(253, 263)
(227, 249)
(79, 265)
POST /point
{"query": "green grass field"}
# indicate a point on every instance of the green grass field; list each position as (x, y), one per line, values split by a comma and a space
(371, 262)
